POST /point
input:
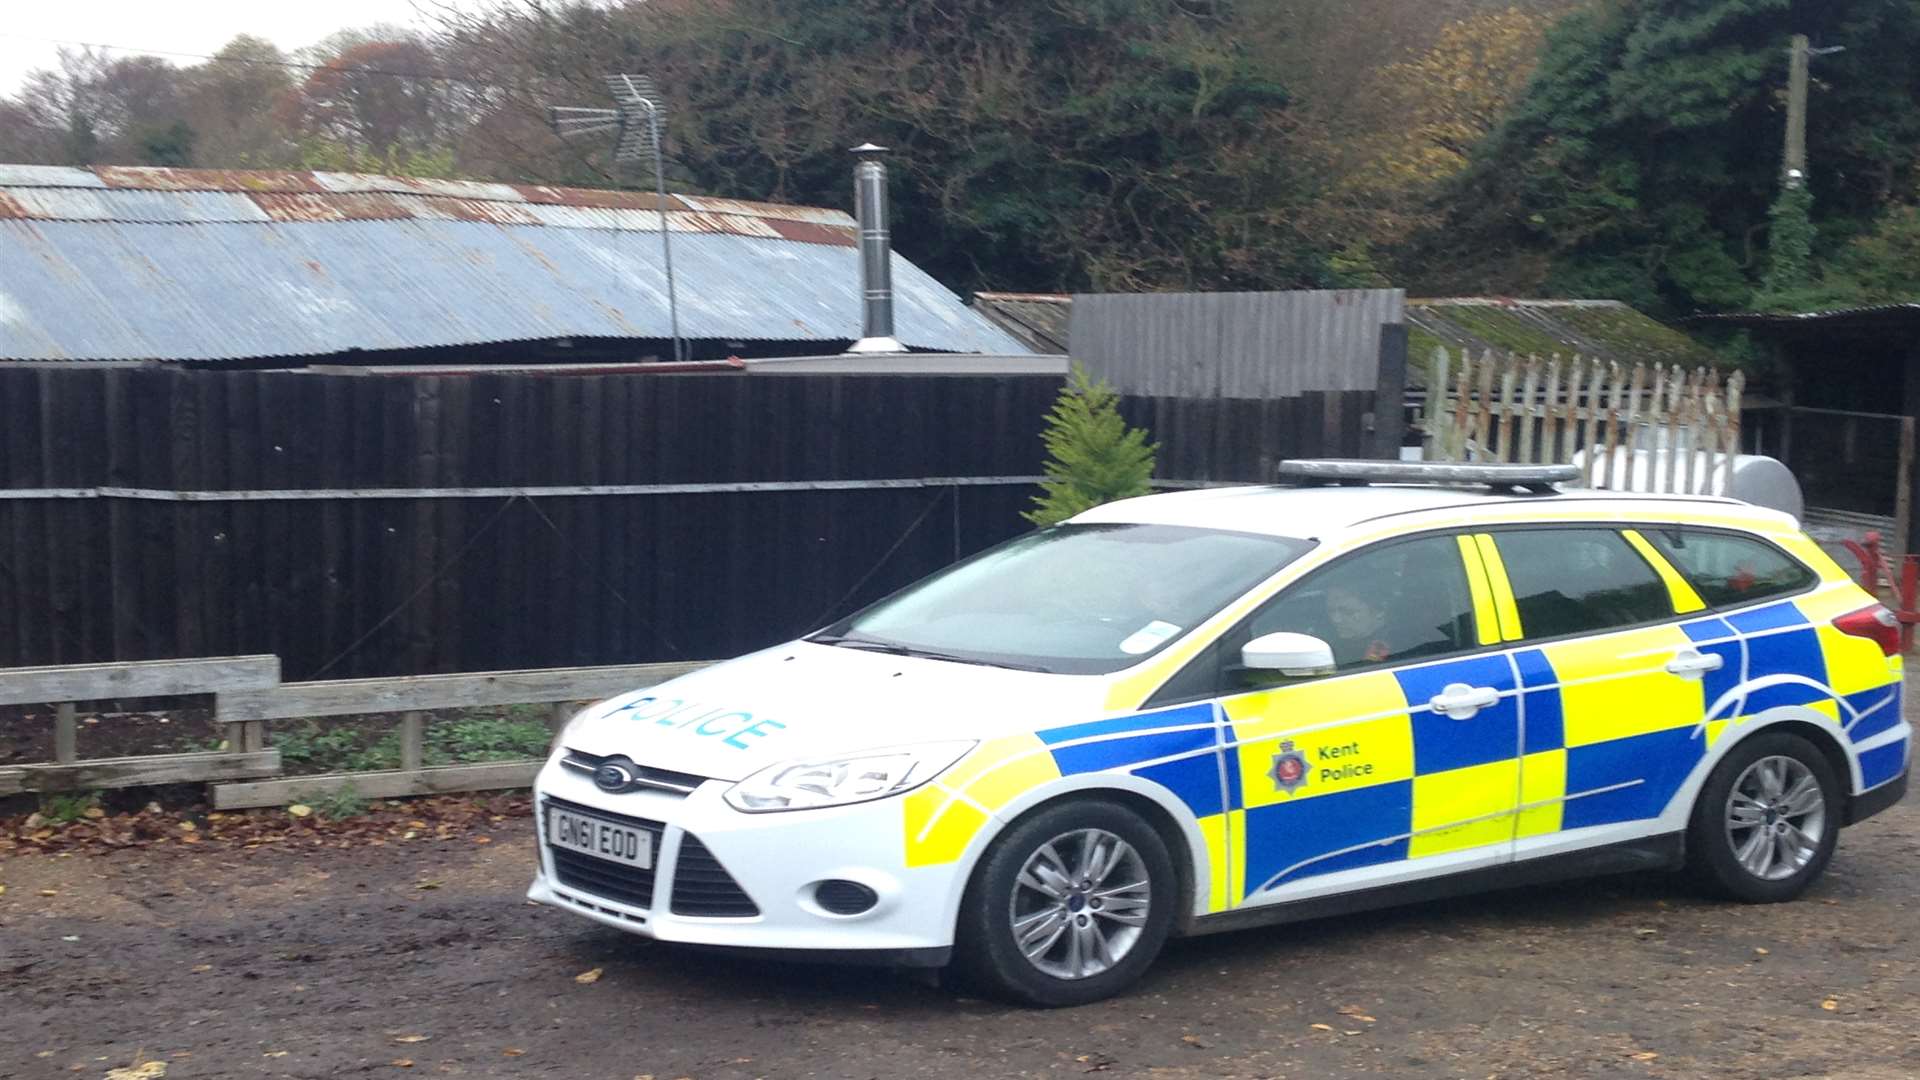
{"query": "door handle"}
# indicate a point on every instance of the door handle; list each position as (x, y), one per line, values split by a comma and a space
(1694, 664)
(1462, 702)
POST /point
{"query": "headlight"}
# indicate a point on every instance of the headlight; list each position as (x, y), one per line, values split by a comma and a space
(795, 785)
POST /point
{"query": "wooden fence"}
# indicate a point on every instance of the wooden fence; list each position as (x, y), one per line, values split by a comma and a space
(248, 695)
(370, 525)
(1651, 427)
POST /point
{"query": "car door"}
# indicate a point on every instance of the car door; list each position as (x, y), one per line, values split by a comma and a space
(1404, 755)
(1613, 705)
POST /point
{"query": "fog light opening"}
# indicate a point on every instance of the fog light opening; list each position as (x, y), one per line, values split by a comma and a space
(841, 897)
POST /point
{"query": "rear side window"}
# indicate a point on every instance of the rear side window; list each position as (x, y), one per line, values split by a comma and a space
(1579, 581)
(1729, 569)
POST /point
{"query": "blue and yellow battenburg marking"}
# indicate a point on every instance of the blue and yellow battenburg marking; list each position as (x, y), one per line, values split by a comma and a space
(1299, 781)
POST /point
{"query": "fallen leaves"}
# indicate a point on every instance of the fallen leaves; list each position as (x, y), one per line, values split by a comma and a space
(145, 1070)
(411, 1038)
(1357, 1013)
(1644, 1055)
(1831, 1004)
(588, 978)
(401, 1063)
(439, 817)
(300, 810)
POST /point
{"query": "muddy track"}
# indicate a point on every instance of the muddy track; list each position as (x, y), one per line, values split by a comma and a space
(288, 964)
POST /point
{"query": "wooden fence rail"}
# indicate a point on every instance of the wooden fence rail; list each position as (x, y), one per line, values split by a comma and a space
(1646, 428)
(248, 695)
(62, 687)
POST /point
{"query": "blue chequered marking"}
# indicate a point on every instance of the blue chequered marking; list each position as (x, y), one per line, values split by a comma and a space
(1885, 713)
(1545, 722)
(1230, 766)
(1716, 683)
(1440, 743)
(1660, 759)
(1285, 835)
(1770, 617)
(1882, 763)
(1795, 652)
(1195, 780)
(1181, 716)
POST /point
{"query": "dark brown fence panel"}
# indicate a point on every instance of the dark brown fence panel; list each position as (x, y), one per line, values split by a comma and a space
(360, 586)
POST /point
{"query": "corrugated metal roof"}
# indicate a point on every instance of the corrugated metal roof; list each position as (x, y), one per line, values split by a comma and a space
(1239, 345)
(1870, 315)
(190, 265)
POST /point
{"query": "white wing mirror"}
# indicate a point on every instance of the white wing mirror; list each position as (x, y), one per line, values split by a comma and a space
(1288, 653)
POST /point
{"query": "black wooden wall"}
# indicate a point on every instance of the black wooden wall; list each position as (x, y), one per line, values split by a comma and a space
(393, 585)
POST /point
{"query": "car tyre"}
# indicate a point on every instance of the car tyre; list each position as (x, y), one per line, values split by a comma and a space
(1069, 905)
(1766, 822)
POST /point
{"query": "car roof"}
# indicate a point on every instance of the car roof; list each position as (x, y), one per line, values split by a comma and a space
(1318, 512)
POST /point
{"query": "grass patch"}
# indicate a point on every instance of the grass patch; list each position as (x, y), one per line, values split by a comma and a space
(371, 743)
(64, 809)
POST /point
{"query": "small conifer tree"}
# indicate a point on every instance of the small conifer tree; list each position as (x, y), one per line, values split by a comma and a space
(1093, 456)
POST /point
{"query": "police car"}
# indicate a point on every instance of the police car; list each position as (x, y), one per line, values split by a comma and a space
(1200, 711)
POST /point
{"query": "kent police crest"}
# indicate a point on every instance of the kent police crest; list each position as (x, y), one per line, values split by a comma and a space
(1289, 770)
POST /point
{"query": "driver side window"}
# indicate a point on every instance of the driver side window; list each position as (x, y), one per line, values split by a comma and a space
(1394, 603)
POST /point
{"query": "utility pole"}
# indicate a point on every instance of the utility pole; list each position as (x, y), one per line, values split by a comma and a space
(1796, 159)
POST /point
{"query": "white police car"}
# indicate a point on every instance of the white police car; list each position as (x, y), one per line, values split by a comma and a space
(1199, 711)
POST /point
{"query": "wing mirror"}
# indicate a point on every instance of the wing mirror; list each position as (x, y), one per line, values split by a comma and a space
(1290, 654)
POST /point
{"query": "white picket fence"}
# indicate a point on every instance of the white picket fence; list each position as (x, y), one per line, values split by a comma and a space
(1650, 427)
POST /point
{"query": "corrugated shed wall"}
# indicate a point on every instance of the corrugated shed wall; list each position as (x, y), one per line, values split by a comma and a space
(1235, 345)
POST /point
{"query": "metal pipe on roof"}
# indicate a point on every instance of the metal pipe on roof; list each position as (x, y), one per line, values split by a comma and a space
(876, 253)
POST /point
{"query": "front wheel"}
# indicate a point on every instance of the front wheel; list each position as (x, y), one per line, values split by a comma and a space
(1069, 906)
(1766, 822)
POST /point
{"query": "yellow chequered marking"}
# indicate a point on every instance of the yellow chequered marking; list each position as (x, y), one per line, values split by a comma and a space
(1854, 664)
(1617, 685)
(1543, 793)
(1678, 588)
(941, 819)
(1224, 835)
(1485, 619)
(952, 830)
(1502, 588)
(1353, 733)
(1714, 728)
(1463, 808)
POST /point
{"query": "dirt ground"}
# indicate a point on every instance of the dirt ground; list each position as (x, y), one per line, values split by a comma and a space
(421, 957)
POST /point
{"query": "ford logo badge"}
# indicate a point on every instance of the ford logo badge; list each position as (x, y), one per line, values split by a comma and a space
(613, 777)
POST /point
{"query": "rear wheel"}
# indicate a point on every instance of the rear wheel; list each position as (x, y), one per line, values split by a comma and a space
(1766, 821)
(1069, 906)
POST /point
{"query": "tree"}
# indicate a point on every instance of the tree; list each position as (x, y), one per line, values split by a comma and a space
(1414, 124)
(371, 97)
(1093, 456)
(1642, 162)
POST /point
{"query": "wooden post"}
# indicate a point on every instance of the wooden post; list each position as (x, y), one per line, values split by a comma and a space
(1527, 397)
(558, 716)
(66, 732)
(1903, 492)
(1390, 395)
(413, 740)
(1438, 415)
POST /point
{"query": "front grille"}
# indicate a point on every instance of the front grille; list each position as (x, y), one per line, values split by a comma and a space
(701, 886)
(619, 882)
(644, 776)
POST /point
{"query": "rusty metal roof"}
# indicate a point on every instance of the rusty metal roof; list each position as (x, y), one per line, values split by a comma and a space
(184, 264)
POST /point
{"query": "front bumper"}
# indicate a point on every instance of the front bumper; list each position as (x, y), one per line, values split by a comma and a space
(776, 860)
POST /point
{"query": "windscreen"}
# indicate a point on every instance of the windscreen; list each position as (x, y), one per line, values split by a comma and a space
(1073, 599)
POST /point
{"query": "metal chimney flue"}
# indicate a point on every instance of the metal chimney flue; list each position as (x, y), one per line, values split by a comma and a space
(876, 252)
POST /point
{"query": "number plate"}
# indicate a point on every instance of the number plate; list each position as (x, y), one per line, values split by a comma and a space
(602, 839)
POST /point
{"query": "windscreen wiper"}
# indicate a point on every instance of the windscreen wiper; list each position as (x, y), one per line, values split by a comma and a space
(895, 649)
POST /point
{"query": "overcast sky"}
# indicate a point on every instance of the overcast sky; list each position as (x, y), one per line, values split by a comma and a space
(188, 26)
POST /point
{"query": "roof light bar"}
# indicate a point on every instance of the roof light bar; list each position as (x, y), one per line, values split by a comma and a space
(1309, 472)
